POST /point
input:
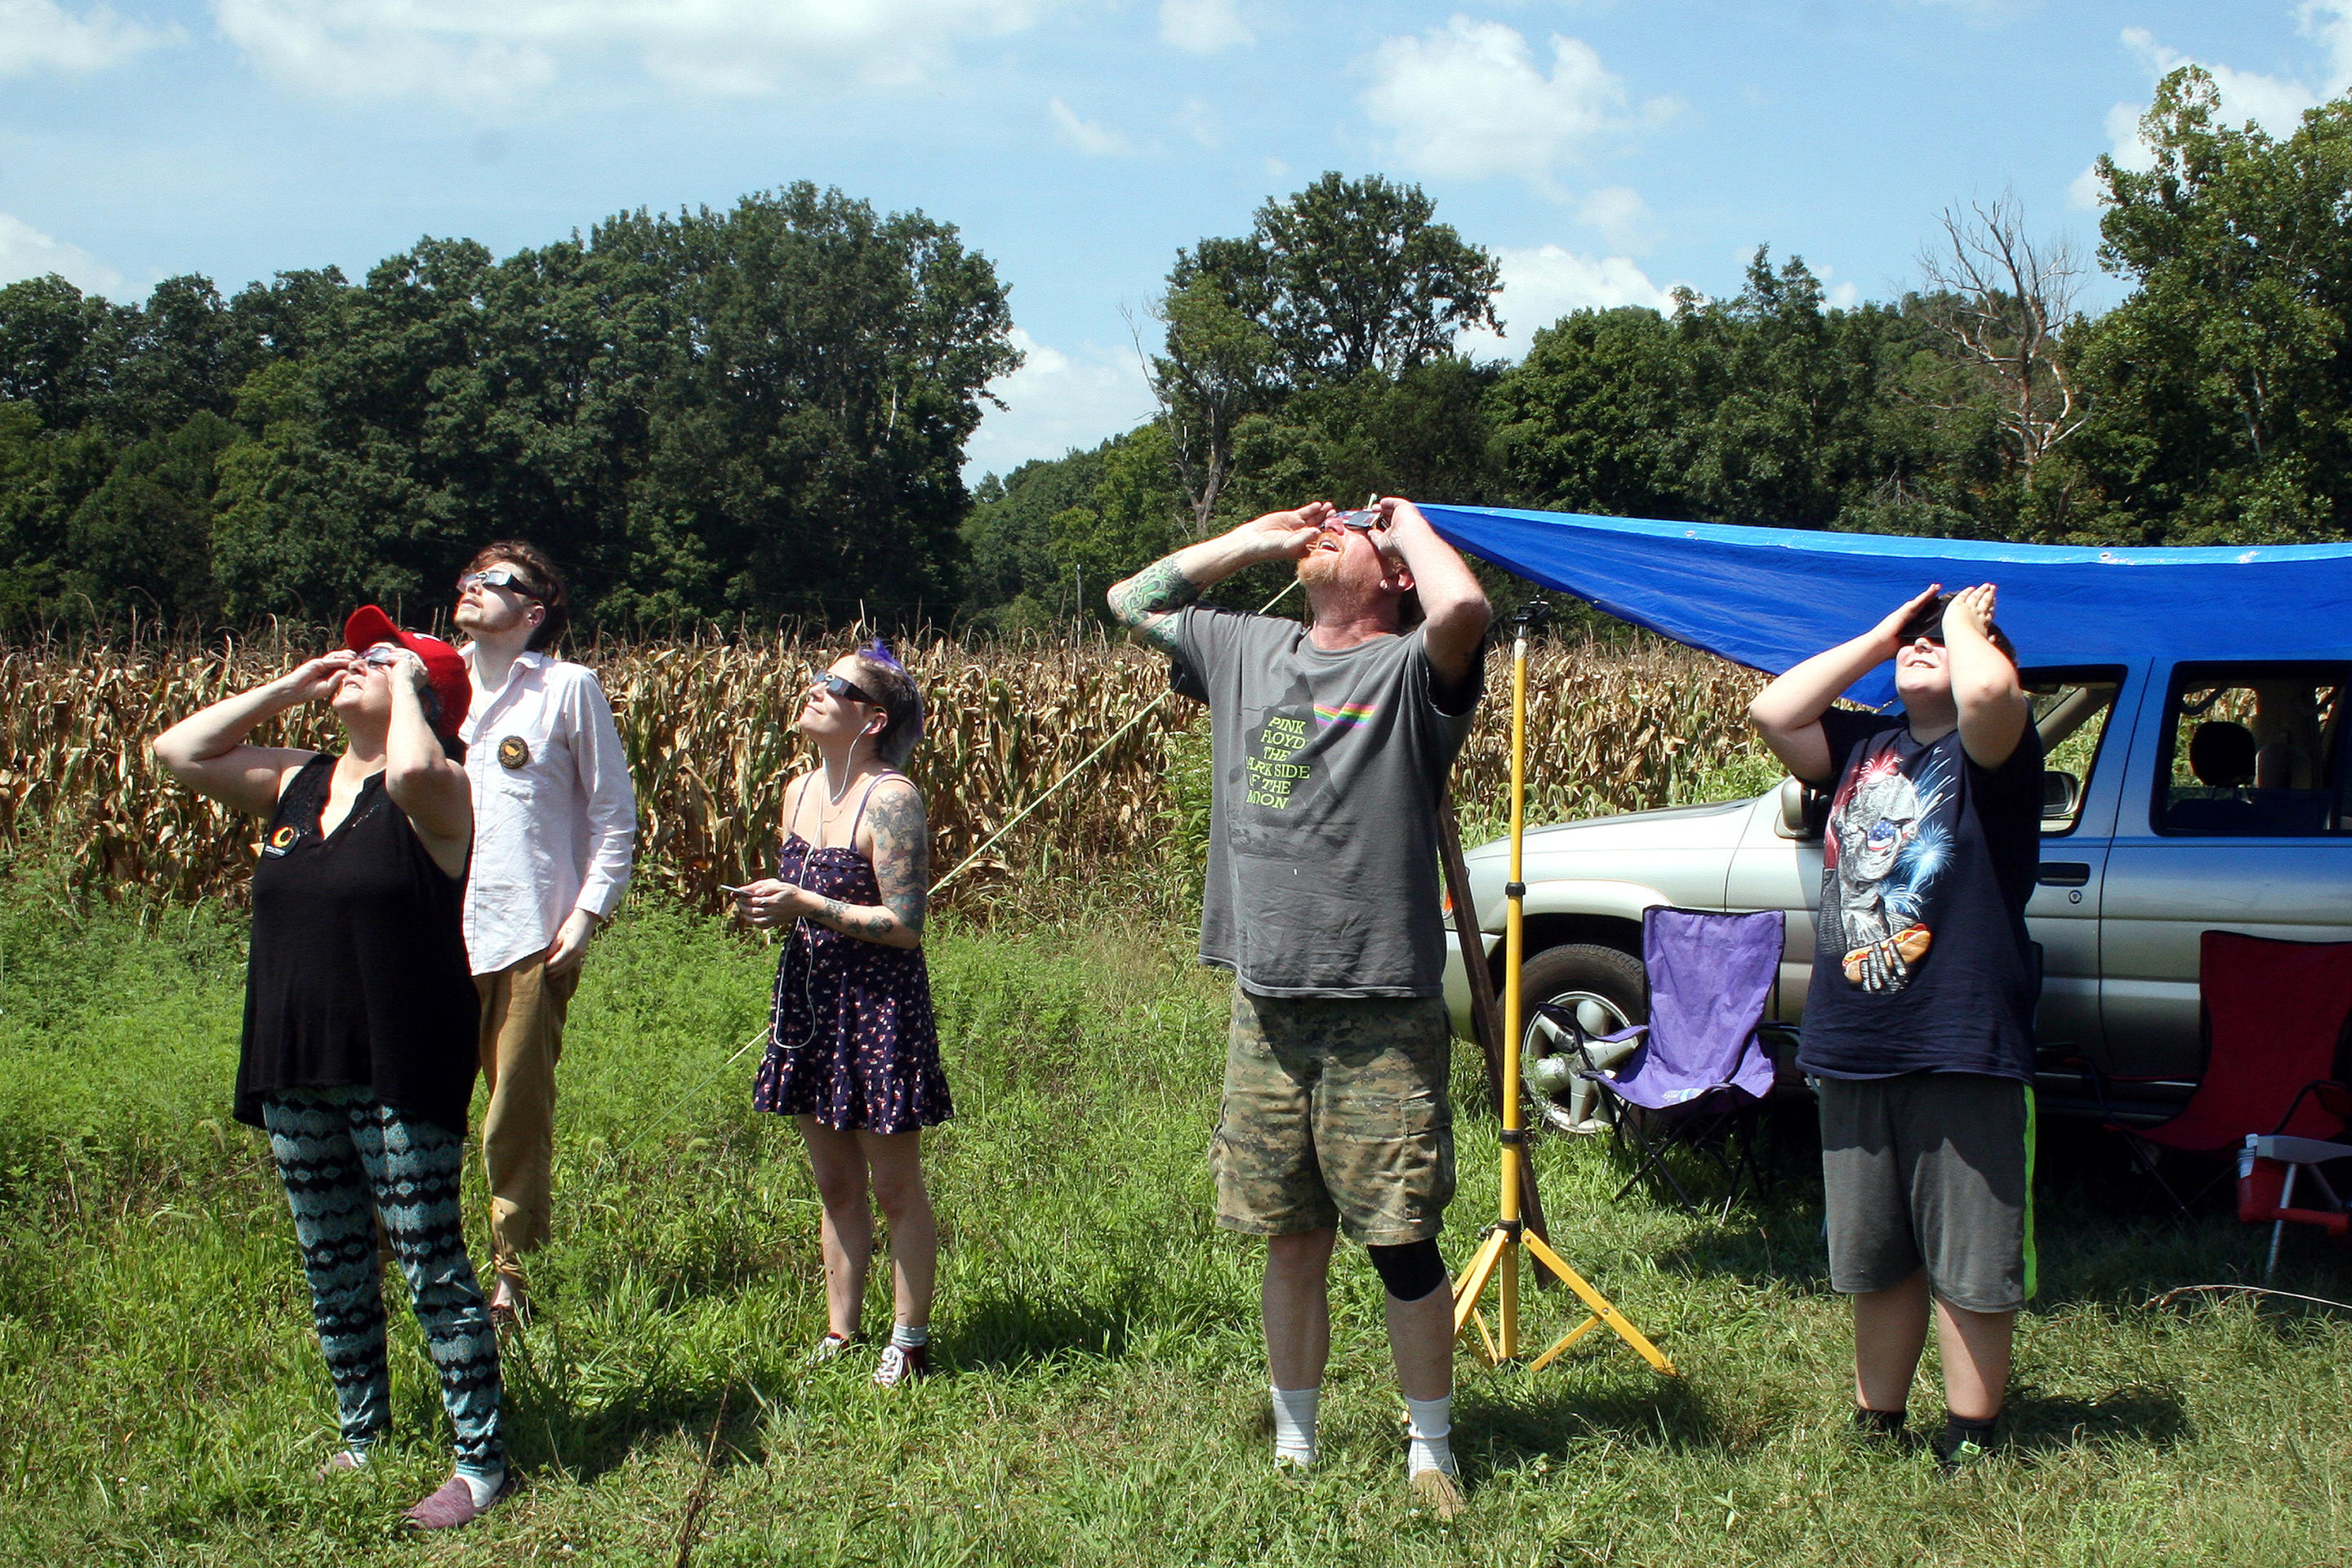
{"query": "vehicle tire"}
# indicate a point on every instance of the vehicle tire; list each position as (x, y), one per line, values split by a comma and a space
(1608, 989)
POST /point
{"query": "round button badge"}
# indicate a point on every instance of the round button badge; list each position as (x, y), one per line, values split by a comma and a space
(514, 751)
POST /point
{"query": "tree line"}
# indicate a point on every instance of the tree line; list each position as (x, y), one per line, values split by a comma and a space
(755, 413)
(760, 415)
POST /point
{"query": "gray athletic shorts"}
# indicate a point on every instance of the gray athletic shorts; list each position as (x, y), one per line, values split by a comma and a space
(1933, 1169)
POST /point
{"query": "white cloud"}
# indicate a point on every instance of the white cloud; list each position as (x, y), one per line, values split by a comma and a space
(1469, 100)
(1089, 136)
(1203, 27)
(470, 53)
(26, 252)
(1056, 401)
(1836, 295)
(1542, 283)
(1622, 217)
(2274, 102)
(39, 35)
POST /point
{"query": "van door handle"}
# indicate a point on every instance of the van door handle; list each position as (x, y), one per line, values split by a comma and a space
(2064, 873)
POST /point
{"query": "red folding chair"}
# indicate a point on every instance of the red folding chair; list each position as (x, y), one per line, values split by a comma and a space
(2269, 1166)
(2276, 1016)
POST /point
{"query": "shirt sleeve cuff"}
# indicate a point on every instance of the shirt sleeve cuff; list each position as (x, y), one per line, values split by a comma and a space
(601, 898)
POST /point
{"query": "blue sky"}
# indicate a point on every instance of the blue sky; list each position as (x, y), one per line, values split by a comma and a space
(1605, 151)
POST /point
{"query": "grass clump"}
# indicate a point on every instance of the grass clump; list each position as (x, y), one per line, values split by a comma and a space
(162, 1400)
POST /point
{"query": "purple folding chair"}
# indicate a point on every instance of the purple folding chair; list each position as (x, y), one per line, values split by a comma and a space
(1700, 1070)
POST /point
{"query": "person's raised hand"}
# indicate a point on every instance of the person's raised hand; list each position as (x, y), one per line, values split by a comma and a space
(1889, 631)
(410, 666)
(314, 679)
(1280, 535)
(1973, 608)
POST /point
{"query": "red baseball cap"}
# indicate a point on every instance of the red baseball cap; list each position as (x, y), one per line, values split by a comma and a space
(444, 669)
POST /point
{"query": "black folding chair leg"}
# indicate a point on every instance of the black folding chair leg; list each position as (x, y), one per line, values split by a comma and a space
(1649, 1159)
(2146, 1162)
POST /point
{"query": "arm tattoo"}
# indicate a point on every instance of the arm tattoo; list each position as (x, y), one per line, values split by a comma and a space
(1148, 602)
(902, 855)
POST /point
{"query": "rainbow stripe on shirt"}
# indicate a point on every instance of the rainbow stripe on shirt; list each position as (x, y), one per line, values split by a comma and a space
(1345, 715)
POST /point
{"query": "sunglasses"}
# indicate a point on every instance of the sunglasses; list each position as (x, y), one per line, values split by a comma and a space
(381, 657)
(498, 577)
(1361, 522)
(844, 689)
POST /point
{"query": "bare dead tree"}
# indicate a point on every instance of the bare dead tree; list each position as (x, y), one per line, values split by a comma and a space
(2001, 300)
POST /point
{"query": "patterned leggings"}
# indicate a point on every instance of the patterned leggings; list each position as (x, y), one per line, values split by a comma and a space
(345, 1159)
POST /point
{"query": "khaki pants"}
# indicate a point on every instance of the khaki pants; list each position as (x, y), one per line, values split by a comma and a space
(523, 1036)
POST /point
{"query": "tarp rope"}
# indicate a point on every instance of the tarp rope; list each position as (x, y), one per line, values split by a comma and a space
(761, 1034)
(2179, 1290)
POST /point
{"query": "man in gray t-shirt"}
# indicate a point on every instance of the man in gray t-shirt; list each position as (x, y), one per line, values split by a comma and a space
(1331, 747)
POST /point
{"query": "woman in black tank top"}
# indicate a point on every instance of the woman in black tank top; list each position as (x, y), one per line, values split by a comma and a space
(359, 1049)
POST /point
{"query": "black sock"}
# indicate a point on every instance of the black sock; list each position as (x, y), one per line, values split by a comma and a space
(1879, 1423)
(1958, 1429)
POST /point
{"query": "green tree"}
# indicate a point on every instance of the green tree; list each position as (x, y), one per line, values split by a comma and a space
(1357, 275)
(2221, 386)
(1766, 407)
(760, 412)
(1043, 542)
(45, 330)
(827, 367)
(1422, 432)
(1218, 370)
(1347, 284)
(1588, 420)
(141, 545)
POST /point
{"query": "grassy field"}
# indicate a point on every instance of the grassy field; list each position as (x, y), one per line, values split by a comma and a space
(162, 1400)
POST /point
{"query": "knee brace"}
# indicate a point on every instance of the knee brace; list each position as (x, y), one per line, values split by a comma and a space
(1410, 1271)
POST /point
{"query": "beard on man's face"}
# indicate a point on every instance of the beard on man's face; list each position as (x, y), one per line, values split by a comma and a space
(1320, 566)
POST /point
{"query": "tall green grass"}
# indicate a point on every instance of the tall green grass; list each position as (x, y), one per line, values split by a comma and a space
(161, 1400)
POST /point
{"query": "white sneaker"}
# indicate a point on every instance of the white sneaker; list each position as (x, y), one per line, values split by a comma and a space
(902, 1363)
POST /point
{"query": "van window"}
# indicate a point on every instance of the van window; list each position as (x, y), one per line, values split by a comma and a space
(2254, 752)
(2070, 710)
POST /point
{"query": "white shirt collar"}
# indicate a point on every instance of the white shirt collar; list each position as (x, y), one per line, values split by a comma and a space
(529, 658)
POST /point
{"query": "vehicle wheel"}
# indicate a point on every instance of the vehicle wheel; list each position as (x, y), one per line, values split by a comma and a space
(1607, 991)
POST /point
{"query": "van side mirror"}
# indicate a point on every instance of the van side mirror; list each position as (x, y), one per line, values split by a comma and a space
(1804, 810)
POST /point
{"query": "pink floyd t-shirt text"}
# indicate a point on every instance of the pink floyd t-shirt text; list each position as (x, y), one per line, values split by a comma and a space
(1323, 877)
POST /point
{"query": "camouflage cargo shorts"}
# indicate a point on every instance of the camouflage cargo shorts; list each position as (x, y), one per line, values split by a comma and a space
(1336, 1114)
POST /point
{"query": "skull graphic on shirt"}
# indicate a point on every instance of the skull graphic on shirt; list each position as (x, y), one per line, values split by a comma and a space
(1890, 836)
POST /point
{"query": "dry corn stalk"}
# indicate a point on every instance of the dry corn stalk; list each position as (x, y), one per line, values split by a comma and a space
(707, 724)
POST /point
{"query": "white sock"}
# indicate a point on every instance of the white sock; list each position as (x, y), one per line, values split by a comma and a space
(1430, 1432)
(908, 1339)
(1294, 1424)
(483, 1484)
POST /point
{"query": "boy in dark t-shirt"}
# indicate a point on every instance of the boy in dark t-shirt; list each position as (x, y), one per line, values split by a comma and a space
(1918, 1027)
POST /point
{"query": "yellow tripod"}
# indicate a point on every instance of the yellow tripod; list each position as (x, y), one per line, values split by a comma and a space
(1497, 1257)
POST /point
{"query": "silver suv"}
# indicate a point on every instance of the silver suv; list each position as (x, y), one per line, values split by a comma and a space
(2179, 798)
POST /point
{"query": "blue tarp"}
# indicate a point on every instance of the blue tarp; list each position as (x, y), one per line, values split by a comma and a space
(1769, 598)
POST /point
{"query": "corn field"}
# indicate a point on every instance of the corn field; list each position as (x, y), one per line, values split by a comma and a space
(707, 726)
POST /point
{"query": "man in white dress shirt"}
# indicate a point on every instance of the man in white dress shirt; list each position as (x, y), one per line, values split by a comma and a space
(555, 827)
